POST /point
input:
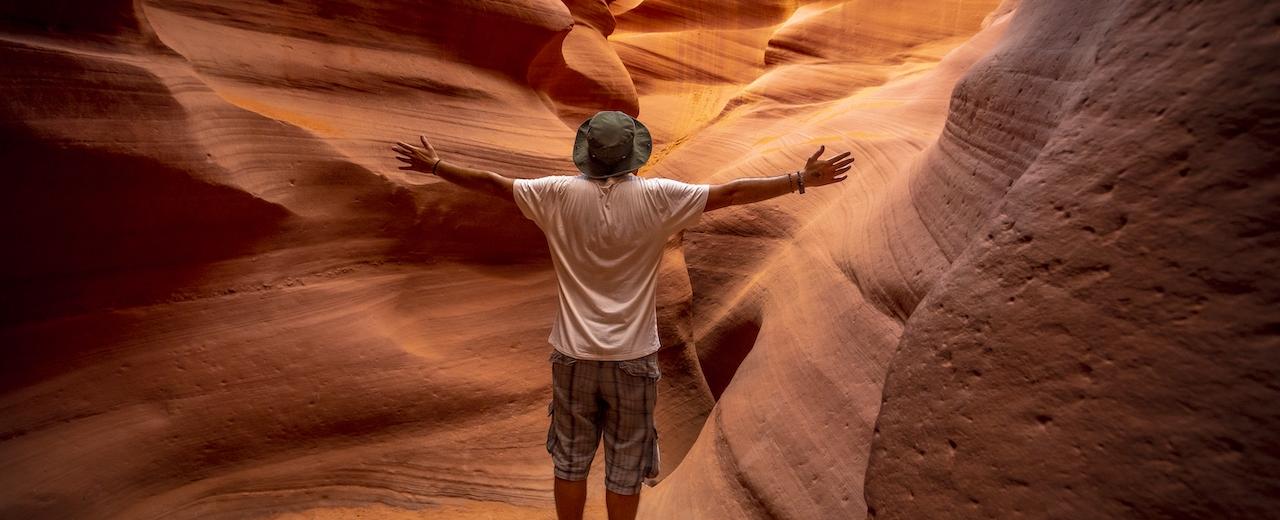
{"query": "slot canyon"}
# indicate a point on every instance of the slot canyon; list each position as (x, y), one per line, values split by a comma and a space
(1048, 288)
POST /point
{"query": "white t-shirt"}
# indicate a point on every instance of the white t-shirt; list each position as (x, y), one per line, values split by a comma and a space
(606, 241)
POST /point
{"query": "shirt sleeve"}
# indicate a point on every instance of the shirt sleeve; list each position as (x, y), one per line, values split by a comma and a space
(536, 198)
(682, 203)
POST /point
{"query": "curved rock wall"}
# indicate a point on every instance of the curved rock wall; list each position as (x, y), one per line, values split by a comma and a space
(223, 300)
(799, 301)
(228, 303)
(1104, 345)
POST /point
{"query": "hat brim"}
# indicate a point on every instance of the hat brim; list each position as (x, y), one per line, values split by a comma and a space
(641, 147)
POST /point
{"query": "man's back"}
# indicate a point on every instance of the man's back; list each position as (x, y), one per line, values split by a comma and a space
(606, 241)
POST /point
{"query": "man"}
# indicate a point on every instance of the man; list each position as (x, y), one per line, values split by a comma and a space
(606, 229)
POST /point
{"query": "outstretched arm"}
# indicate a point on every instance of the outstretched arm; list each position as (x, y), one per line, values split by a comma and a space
(755, 189)
(426, 160)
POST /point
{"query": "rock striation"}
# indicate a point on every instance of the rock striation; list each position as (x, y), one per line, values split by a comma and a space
(1102, 345)
(1045, 291)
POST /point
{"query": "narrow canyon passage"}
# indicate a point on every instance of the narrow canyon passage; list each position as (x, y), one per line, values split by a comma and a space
(1046, 290)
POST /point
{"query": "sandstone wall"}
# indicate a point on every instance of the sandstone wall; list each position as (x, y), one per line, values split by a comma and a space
(224, 301)
(1104, 345)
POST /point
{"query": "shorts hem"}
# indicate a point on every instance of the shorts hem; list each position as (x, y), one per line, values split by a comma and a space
(622, 490)
(572, 476)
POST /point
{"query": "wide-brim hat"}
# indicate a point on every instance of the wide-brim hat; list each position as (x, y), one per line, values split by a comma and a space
(611, 143)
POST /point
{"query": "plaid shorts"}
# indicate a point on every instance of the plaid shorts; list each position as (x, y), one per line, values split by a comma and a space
(613, 398)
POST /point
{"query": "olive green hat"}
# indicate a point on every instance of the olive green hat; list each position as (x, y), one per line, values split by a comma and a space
(611, 143)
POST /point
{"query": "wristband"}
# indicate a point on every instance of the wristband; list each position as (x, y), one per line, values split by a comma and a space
(790, 183)
(800, 177)
(433, 167)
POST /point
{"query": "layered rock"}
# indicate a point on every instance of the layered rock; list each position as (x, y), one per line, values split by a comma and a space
(1103, 345)
(799, 301)
(229, 303)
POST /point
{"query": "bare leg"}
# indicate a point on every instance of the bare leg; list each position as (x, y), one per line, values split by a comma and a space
(621, 507)
(571, 497)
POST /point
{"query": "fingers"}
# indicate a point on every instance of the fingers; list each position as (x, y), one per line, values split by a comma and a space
(426, 145)
(405, 156)
(408, 147)
(816, 154)
(838, 157)
(835, 168)
(840, 160)
(407, 163)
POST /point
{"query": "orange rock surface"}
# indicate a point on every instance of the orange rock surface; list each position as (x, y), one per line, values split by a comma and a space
(1104, 344)
(225, 301)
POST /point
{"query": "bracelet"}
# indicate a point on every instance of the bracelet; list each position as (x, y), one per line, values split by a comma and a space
(790, 183)
(433, 167)
(800, 177)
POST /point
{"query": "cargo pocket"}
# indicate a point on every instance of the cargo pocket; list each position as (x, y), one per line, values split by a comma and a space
(654, 465)
(642, 367)
(561, 359)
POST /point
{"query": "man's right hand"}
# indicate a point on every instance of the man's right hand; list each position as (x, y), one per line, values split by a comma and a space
(821, 172)
(417, 159)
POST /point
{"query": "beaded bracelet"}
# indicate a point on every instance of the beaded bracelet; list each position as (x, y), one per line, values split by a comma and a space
(433, 167)
(790, 183)
(800, 177)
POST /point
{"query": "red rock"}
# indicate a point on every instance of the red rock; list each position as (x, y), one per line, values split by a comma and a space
(1102, 346)
(224, 300)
